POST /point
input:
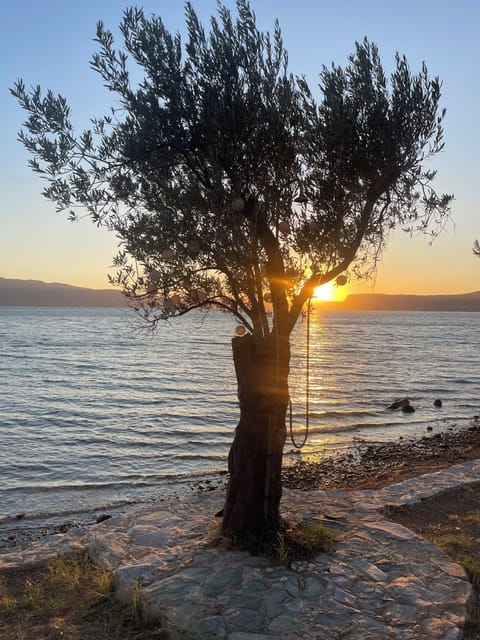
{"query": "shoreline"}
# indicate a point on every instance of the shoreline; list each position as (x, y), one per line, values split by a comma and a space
(377, 466)
(373, 467)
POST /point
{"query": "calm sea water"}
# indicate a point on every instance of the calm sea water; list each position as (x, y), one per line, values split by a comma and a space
(94, 413)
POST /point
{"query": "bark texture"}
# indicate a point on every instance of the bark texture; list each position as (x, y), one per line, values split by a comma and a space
(251, 512)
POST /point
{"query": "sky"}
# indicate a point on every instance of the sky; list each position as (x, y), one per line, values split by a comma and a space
(50, 43)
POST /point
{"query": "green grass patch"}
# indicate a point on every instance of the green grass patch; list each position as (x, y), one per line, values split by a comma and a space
(301, 541)
(454, 543)
(473, 517)
(472, 568)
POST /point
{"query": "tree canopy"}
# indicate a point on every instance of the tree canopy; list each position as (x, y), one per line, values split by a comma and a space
(228, 183)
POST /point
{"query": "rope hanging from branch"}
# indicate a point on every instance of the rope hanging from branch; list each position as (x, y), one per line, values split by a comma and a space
(307, 389)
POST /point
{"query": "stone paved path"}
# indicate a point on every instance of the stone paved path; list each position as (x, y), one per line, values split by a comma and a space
(382, 581)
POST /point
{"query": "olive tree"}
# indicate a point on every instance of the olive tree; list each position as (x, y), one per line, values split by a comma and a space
(232, 185)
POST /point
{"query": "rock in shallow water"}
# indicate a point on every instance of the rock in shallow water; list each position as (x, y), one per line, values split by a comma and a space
(399, 404)
(103, 517)
(407, 408)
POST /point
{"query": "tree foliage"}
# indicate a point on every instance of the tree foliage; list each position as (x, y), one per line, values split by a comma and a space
(227, 181)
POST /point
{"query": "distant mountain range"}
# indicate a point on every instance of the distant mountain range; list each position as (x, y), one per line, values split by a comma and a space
(384, 302)
(34, 293)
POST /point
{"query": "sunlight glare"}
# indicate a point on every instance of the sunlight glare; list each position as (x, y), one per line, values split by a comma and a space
(330, 292)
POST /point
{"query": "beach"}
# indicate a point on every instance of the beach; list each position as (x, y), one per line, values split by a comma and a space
(377, 466)
(371, 467)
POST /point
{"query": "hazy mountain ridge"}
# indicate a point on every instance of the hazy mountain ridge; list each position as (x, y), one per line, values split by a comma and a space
(407, 302)
(35, 293)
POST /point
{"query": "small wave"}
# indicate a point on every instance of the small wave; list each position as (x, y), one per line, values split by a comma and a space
(132, 481)
(326, 429)
(60, 488)
(61, 515)
(192, 456)
(332, 429)
(29, 466)
(341, 414)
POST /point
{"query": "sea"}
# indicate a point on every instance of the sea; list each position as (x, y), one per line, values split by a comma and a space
(97, 413)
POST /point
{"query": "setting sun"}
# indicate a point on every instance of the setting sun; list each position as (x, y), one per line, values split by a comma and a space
(330, 292)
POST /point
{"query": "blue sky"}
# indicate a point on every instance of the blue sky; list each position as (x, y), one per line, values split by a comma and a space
(51, 42)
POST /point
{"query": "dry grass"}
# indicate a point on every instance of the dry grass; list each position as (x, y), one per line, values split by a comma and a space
(71, 599)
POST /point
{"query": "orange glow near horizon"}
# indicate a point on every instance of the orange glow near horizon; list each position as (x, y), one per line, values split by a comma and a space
(330, 292)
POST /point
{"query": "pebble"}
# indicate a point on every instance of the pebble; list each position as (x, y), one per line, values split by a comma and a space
(381, 580)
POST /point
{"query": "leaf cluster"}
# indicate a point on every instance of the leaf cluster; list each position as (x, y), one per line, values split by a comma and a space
(227, 182)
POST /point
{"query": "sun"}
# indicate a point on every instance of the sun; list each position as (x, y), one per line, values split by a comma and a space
(326, 292)
(329, 292)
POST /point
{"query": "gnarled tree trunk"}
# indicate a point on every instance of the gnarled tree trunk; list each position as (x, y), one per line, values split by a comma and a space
(251, 513)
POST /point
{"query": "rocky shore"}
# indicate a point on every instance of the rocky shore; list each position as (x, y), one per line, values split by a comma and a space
(378, 581)
(373, 467)
(377, 466)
